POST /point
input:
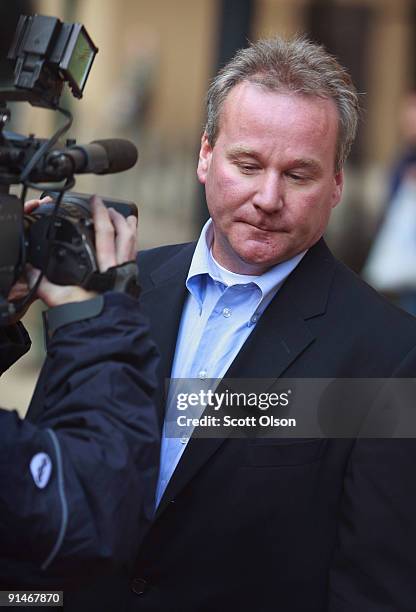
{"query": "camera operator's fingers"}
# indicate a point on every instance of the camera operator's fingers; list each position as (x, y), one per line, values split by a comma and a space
(32, 275)
(19, 290)
(31, 205)
(104, 235)
(55, 295)
(132, 221)
(126, 231)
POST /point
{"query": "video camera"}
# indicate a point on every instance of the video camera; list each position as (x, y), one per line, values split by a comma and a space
(58, 238)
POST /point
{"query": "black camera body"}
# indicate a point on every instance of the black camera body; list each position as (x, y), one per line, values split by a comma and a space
(70, 258)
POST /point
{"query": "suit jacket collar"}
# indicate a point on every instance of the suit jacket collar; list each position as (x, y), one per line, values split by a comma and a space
(162, 299)
(280, 336)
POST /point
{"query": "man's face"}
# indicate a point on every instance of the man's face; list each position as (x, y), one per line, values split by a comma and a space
(269, 179)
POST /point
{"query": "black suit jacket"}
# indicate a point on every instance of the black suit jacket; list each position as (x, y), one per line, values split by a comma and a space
(302, 525)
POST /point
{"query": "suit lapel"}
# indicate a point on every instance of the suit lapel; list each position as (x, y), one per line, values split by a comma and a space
(281, 336)
(162, 301)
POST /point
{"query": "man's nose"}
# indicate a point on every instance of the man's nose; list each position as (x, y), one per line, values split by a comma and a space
(269, 193)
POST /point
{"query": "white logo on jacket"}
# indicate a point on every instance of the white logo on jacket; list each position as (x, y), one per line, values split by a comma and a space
(41, 469)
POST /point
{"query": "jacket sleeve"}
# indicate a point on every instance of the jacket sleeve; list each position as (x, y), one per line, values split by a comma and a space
(14, 342)
(77, 487)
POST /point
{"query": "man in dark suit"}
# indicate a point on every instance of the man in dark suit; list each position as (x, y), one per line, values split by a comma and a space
(297, 525)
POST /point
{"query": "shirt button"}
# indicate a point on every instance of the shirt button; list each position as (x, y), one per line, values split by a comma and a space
(226, 312)
(202, 374)
(254, 319)
(184, 439)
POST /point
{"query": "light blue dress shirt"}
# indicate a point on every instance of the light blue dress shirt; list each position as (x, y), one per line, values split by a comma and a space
(220, 312)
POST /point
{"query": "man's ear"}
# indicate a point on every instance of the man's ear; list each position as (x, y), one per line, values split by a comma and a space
(204, 161)
(338, 187)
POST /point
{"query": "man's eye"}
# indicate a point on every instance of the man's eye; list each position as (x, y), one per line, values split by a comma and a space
(248, 168)
(297, 177)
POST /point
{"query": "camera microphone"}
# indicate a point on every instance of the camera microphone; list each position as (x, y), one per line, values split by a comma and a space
(98, 157)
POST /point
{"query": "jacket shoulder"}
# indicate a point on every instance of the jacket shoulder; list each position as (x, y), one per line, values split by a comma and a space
(366, 304)
(150, 259)
(377, 331)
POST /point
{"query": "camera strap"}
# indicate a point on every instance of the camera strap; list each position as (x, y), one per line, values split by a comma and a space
(123, 278)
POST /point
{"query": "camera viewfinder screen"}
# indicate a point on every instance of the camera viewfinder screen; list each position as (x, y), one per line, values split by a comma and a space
(81, 59)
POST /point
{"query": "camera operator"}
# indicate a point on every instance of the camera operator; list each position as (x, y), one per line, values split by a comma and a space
(77, 488)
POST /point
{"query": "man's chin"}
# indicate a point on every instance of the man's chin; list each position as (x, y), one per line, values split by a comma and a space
(254, 254)
(258, 263)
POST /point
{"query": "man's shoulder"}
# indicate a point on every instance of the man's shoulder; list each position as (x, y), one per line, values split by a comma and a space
(348, 295)
(361, 298)
(150, 259)
(379, 329)
(335, 300)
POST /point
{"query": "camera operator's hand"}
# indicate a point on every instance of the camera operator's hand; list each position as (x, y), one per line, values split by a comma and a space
(115, 241)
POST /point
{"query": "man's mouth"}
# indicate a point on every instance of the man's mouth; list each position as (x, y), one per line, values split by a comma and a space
(263, 228)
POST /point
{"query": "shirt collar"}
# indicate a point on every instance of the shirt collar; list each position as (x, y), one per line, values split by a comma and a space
(203, 265)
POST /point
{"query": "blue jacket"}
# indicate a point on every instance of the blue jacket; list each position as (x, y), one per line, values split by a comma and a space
(77, 487)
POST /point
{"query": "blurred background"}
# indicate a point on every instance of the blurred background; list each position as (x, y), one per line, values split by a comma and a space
(148, 84)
